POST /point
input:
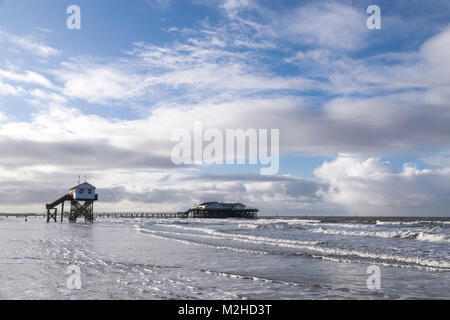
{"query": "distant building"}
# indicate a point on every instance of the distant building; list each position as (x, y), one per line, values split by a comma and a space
(222, 210)
(83, 191)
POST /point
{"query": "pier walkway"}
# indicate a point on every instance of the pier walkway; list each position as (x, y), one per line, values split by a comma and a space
(141, 215)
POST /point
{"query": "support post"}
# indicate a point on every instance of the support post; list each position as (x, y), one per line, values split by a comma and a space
(51, 215)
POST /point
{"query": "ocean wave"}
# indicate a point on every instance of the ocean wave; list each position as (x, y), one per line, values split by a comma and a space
(346, 225)
(412, 223)
(240, 237)
(318, 249)
(247, 225)
(260, 279)
(158, 234)
(422, 236)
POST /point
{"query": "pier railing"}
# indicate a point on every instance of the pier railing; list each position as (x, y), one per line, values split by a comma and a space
(141, 215)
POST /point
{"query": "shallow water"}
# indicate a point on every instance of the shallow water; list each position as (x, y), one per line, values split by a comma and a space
(224, 259)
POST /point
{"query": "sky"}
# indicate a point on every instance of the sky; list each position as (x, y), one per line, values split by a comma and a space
(363, 115)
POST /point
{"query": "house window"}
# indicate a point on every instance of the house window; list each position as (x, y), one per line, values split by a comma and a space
(81, 191)
(89, 191)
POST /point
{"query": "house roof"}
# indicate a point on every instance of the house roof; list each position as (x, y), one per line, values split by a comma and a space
(84, 184)
(207, 203)
(221, 203)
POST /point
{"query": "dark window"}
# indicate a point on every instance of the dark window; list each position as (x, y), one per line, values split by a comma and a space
(81, 191)
(89, 191)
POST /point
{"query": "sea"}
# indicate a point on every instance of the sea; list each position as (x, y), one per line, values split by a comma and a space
(266, 258)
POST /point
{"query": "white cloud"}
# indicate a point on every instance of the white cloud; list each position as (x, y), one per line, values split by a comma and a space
(427, 68)
(100, 83)
(321, 24)
(28, 77)
(436, 54)
(361, 184)
(41, 97)
(232, 7)
(197, 69)
(438, 159)
(27, 43)
(7, 89)
(3, 117)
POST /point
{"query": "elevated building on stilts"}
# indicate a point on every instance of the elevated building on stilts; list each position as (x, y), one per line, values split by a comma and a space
(81, 198)
(222, 210)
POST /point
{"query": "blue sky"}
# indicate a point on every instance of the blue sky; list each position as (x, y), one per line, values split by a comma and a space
(363, 114)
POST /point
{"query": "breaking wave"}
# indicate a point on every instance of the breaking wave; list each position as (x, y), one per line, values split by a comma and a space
(266, 245)
(422, 236)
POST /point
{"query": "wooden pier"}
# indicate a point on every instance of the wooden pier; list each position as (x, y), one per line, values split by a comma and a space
(117, 215)
(160, 215)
